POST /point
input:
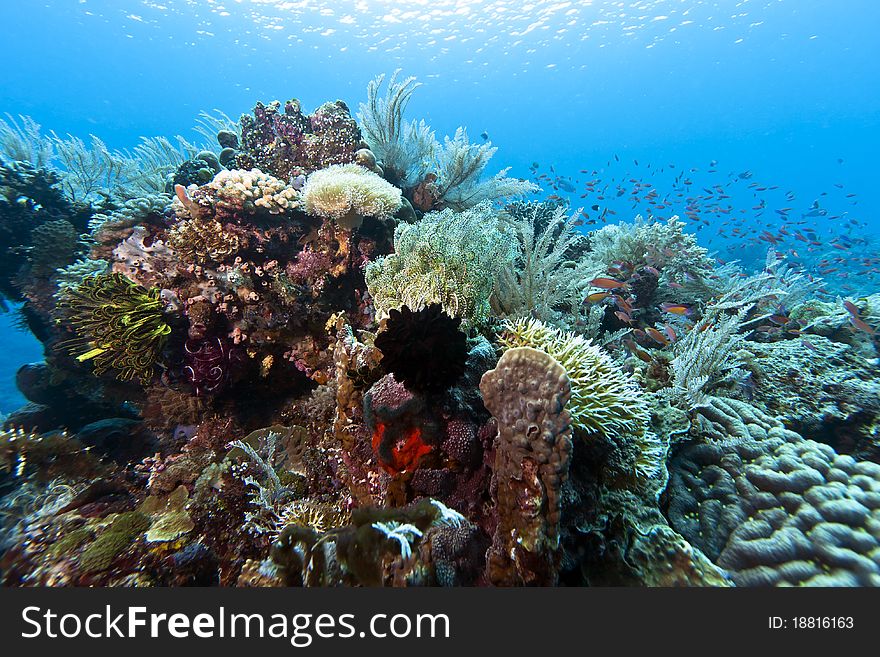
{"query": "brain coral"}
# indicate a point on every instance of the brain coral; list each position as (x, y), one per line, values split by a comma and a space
(348, 193)
(779, 511)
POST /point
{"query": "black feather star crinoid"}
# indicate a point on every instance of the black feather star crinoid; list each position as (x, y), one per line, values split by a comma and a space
(425, 350)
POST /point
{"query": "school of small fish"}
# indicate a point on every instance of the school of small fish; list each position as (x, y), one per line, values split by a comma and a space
(832, 244)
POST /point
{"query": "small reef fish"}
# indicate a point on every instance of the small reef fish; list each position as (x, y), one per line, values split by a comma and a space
(641, 354)
(677, 309)
(856, 320)
(609, 283)
(597, 297)
(657, 336)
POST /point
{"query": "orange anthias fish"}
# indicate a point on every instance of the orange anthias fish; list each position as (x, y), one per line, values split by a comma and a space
(657, 336)
(596, 297)
(609, 283)
(856, 319)
(676, 309)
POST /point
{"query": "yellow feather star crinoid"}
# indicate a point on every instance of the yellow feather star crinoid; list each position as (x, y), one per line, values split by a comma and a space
(120, 325)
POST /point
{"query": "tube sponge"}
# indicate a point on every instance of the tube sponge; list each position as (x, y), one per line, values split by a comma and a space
(603, 398)
(348, 193)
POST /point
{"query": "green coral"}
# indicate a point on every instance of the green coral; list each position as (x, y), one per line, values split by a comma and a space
(603, 398)
(121, 533)
(169, 519)
(448, 258)
(70, 542)
(120, 324)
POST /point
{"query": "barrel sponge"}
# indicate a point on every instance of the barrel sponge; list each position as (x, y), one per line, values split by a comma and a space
(782, 511)
(348, 193)
(527, 393)
(603, 398)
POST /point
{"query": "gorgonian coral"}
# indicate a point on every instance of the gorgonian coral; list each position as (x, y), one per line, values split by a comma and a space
(424, 350)
(348, 193)
(120, 325)
(603, 398)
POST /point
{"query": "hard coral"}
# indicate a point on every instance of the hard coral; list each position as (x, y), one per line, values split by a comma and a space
(425, 350)
(202, 240)
(237, 196)
(779, 511)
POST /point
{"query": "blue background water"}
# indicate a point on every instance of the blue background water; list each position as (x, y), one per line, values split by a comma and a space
(784, 89)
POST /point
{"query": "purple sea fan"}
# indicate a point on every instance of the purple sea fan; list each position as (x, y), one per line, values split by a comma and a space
(207, 365)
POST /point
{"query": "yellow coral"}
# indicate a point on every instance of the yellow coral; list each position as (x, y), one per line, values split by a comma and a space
(603, 398)
(348, 193)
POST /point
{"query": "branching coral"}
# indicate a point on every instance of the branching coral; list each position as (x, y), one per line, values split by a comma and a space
(268, 494)
(603, 398)
(663, 245)
(448, 258)
(121, 325)
(347, 193)
(22, 141)
(705, 356)
(405, 150)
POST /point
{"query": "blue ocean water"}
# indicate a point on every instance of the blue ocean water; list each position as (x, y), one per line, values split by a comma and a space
(775, 93)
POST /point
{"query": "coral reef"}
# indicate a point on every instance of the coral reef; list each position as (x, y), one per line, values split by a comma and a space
(299, 357)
